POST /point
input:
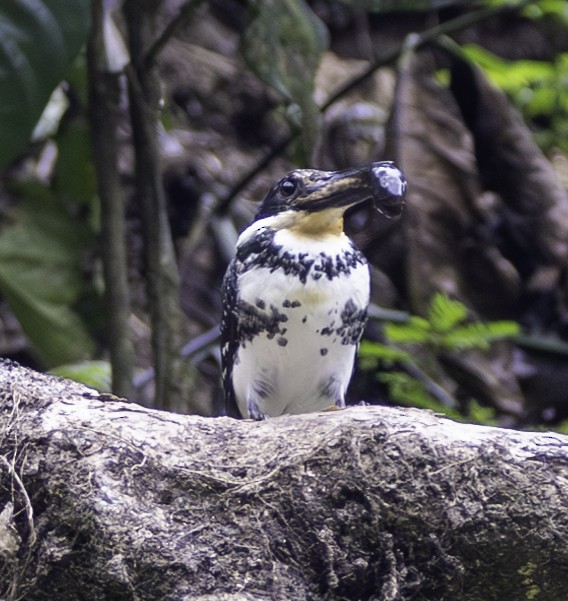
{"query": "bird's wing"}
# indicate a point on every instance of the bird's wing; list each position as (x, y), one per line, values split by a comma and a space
(229, 338)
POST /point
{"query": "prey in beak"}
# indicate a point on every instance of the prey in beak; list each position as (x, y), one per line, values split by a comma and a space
(309, 191)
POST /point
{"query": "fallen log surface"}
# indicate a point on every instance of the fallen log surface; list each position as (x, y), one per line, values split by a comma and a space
(104, 499)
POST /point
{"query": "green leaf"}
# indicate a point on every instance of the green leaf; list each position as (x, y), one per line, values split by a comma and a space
(283, 45)
(408, 391)
(510, 76)
(555, 8)
(96, 374)
(479, 334)
(480, 414)
(383, 352)
(38, 41)
(40, 277)
(417, 330)
(445, 313)
(543, 101)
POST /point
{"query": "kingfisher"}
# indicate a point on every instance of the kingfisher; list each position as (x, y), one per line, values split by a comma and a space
(295, 295)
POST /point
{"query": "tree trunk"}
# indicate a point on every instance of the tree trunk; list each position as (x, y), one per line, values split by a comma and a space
(171, 374)
(103, 499)
(104, 120)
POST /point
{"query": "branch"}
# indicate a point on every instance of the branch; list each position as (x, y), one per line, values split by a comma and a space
(365, 503)
(104, 116)
(185, 13)
(171, 376)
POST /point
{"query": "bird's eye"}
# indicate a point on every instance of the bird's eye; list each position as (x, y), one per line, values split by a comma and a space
(288, 187)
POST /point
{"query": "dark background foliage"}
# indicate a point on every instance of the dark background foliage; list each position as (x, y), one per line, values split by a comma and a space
(171, 119)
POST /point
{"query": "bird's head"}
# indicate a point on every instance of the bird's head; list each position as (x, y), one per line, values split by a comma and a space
(311, 200)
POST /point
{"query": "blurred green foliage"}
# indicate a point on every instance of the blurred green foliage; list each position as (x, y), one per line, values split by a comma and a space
(419, 341)
(95, 374)
(39, 39)
(539, 89)
(42, 249)
(446, 327)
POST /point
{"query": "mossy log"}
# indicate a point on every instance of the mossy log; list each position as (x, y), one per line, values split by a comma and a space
(104, 499)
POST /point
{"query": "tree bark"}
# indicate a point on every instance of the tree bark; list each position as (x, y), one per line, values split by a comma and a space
(103, 499)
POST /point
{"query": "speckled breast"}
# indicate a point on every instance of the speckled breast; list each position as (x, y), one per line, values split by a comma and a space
(301, 312)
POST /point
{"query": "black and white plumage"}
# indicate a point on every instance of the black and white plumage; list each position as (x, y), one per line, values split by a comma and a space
(295, 296)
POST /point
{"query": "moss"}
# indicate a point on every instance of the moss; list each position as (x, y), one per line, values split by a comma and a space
(527, 572)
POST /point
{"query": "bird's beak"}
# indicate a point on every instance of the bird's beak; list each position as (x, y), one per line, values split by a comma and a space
(383, 183)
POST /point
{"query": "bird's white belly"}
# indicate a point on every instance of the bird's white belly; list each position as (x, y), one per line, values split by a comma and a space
(304, 360)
